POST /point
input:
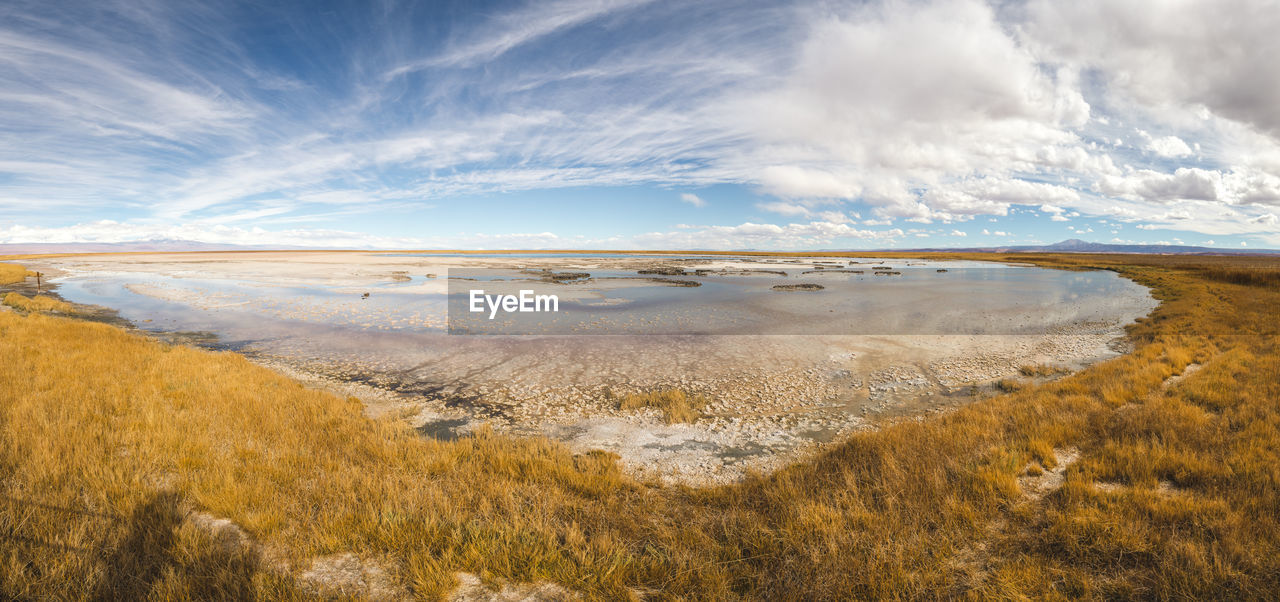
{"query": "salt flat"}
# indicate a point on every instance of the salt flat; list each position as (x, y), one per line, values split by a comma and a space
(863, 350)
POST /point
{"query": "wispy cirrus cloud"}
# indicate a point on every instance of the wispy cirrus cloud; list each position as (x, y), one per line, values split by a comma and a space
(517, 28)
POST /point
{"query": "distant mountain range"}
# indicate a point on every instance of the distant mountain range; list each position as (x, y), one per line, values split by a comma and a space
(158, 245)
(1076, 245)
(167, 245)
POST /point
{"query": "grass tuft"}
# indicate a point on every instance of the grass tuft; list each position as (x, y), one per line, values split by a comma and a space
(1010, 385)
(37, 303)
(676, 405)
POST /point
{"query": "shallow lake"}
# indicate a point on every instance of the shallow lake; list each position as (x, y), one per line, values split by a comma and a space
(914, 297)
(774, 300)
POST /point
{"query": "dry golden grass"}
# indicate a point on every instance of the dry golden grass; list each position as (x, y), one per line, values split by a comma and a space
(37, 303)
(676, 405)
(107, 433)
(110, 440)
(11, 273)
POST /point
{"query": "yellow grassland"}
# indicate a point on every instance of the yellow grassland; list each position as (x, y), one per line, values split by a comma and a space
(112, 442)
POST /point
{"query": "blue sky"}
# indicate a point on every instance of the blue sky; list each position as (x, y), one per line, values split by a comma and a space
(641, 124)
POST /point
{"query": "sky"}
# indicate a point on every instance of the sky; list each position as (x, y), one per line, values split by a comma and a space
(626, 124)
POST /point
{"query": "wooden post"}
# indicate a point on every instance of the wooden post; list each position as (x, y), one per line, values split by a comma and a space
(38, 275)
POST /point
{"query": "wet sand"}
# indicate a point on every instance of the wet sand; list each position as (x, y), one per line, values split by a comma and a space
(772, 397)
